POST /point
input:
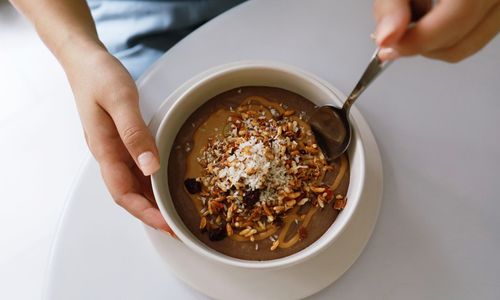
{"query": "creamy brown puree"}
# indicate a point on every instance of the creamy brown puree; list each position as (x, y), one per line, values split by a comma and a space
(299, 227)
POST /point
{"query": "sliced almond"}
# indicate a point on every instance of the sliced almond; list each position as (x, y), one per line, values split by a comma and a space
(293, 195)
(290, 204)
(317, 189)
(275, 245)
(245, 231)
(250, 232)
(303, 201)
(203, 223)
(229, 229)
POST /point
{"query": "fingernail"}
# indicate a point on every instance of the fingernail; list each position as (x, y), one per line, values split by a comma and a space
(148, 163)
(388, 54)
(386, 27)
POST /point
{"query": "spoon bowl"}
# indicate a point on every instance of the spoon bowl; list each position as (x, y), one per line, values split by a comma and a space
(332, 130)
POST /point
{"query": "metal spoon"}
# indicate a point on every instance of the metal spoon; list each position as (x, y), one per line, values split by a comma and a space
(330, 124)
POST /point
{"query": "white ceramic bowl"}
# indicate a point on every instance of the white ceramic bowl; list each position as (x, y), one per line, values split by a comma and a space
(223, 78)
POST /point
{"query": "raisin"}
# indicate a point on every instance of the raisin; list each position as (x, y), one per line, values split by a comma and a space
(251, 197)
(216, 234)
(192, 186)
(302, 151)
(302, 232)
(278, 221)
(329, 194)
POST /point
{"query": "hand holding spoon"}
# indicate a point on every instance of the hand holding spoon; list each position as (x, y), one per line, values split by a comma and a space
(331, 124)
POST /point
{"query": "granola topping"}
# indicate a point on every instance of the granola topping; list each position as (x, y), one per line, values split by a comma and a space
(261, 168)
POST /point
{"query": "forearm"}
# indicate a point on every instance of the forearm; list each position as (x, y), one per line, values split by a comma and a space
(63, 25)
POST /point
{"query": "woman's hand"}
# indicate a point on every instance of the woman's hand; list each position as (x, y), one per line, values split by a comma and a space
(451, 31)
(107, 100)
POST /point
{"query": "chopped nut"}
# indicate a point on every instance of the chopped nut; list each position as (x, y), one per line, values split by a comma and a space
(203, 223)
(278, 209)
(293, 195)
(262, 226)
(230, 212)
(245, 231)
(251, 171)
(321, 203)
(311, 150)
(303, 201)
(229, 229)
(250, 232)
(269, 155)
(339, 204)
(317, 189)
(257, 170)
(280, 131)
(275, 245)
(266, 209)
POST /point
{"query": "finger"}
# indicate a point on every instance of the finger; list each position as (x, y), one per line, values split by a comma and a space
(446, 24)
(392, 18)
(145, 182)
(133, 131)
(101, 135)
(127, 192)
(125, 185)
(474, 41)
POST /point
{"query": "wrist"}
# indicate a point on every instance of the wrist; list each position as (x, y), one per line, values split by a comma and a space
(75, 49)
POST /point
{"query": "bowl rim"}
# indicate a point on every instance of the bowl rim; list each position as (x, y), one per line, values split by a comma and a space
(212, 74)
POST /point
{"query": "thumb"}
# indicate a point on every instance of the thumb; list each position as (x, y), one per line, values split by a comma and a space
(135, 134)
(392, 18)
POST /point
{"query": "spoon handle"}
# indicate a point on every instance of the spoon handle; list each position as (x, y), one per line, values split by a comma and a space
(375, 67)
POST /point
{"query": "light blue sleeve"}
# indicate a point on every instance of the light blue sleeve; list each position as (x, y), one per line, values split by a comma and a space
(139, 32)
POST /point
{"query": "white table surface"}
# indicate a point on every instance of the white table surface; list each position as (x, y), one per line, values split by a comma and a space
(438, 232)
(41, 150)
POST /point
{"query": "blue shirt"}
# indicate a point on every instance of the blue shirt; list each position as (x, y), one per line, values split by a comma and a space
(138, 32)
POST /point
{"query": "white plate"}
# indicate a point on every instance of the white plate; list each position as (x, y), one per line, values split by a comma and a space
(100, 252)
(224, 282)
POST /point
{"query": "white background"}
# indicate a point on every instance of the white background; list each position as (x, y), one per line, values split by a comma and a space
(41, 150)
